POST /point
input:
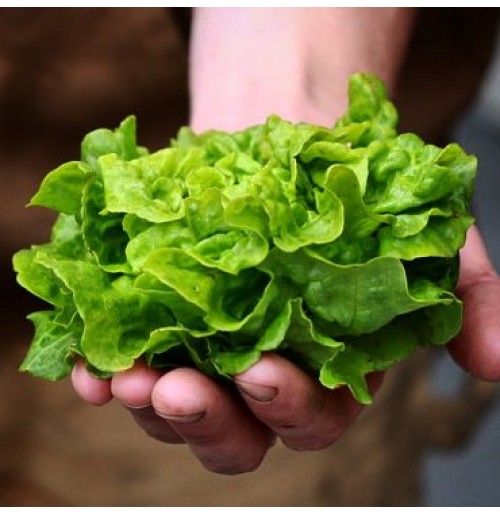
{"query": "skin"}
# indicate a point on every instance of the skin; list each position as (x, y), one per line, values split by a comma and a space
(230, 430)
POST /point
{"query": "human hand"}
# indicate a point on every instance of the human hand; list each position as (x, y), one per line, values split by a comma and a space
(229, 429)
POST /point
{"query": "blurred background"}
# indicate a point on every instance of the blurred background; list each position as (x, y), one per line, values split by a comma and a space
(470, 476)
(431, 436)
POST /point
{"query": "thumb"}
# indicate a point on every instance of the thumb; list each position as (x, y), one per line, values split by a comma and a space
(477, 347)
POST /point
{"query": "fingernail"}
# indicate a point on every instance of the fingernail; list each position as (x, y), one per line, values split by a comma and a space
(257, 392)
(186, 418)
(142, 406)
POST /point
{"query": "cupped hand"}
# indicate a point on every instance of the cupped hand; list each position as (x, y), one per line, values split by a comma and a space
(229, 429)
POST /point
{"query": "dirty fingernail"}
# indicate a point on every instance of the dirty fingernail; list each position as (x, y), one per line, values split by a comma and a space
(137, 406)
(257, 392)
(186, 418)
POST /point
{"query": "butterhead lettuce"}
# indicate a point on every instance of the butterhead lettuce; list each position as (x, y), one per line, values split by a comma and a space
(336, 247)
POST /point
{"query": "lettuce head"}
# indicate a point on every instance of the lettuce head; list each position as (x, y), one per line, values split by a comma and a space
(336, 247)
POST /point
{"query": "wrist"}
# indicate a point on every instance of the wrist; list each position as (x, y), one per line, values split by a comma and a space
(246, 64)
(238, 112)
(249, 63)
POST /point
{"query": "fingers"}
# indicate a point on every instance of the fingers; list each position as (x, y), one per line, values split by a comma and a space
(154, 426)
(475, 264)
(212, 420)
(477, 348)
(186, 406)
(296, 407)
(227, 435)
(133, 389)
(90, 389)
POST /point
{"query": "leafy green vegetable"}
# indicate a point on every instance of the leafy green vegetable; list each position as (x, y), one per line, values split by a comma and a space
(337, 247)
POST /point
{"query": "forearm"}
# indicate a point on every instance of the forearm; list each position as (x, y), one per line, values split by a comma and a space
(248, 63)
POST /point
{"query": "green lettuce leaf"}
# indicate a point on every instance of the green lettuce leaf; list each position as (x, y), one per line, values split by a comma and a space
(50, 355)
